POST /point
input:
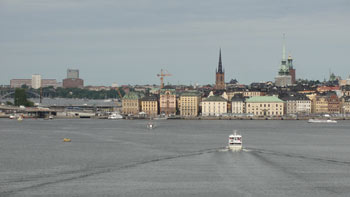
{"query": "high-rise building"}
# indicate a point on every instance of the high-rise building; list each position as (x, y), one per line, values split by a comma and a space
(220, 76)
(73, 80)
(36, 81)
(72, 73)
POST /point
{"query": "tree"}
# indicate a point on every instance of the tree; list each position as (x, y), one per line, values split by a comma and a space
(21, 98)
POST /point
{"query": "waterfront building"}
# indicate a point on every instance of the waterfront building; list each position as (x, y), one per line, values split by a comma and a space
(346, 105)
(189, 103)
(237, 104)
(220, 76)
(320, 104)
(36, 81)
(334, 103)
(214, 106)
(131, 103)
(149, 105)
(167, 101)
(265, 106)
(299, 104)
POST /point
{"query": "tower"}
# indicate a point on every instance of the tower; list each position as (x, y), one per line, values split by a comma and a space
(284, 78)
(291, 69)
(220, 75)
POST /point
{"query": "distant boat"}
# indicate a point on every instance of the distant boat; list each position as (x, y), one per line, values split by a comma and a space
(20, 118)
(67, 140)
(115, 116)
(150, 125)
(161, 118)
(12, 116)
(235, 141)
(321, 121)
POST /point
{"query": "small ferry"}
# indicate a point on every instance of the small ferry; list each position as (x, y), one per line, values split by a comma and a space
(115, 116)
(321, 121)
(235, 141)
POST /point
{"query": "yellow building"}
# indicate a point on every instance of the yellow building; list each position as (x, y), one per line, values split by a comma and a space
(346, 105)
(131, 103)
(149, 105)
(265, 106)
(189, 103)
(319, 104)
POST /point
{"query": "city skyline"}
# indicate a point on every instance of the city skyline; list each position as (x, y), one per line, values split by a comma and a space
(130, 42)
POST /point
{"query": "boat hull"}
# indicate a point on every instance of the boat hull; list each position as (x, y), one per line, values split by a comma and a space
(235, 147)
(321, 121)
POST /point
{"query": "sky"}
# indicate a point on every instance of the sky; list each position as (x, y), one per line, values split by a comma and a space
(129, 42)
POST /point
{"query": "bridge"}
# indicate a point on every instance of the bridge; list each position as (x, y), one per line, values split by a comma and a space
(36, 95)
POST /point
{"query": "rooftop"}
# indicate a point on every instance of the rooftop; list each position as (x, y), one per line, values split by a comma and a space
(215, 98)
(264, 99)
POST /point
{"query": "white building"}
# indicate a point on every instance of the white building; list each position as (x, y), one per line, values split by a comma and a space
(36, 81)
(214, 106)
(297, 105)
(237, 105)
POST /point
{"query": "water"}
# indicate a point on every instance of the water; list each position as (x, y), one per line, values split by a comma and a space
(177, 158)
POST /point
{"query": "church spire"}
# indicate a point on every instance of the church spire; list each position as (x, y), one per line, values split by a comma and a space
(284, 48)
(220, 63)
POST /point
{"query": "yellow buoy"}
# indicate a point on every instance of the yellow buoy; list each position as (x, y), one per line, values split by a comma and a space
(66, 140)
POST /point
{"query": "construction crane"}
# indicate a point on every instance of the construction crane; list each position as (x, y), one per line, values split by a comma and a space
(162, 75)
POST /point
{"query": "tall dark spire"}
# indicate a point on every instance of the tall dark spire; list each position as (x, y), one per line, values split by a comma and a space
(220, 63)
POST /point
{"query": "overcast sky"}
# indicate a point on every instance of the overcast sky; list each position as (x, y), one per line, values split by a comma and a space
(128, 42)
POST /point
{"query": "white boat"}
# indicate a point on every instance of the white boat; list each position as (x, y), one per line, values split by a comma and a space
(115, 116)
(150, 125)
(321, 121)
(161, 118)
(12, 116)
(235, 141)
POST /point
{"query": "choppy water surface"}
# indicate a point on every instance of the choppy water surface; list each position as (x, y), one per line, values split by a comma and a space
(177, 158)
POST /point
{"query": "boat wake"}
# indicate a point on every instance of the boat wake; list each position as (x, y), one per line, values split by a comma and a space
(293, 155)
(11, 187)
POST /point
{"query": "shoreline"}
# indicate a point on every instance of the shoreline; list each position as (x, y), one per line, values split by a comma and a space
(194, 118)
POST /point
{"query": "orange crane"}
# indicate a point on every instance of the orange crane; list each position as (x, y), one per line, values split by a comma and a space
(162, 75)
(120, 95)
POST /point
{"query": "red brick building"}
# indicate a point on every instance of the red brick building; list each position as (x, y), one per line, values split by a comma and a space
(73, 83)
